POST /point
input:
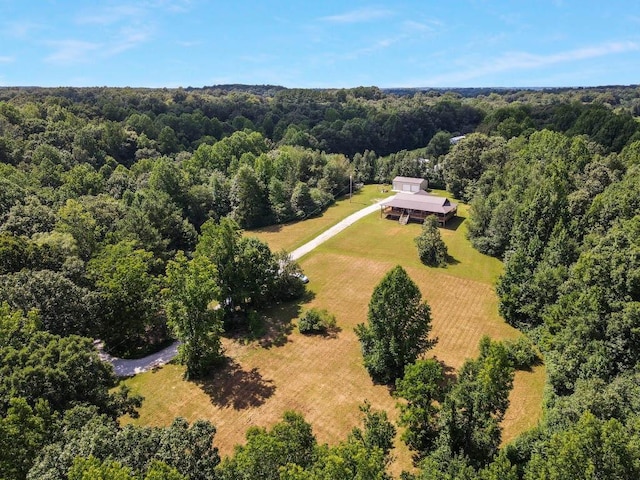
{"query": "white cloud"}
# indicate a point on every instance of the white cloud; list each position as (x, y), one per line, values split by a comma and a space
(68, 52)
(109, 15)
(21, 29)
(7, 59)
(347, 55)
(528, 60)
(134, 11)
(175, 6)
(358, 16)
(524, 61)
(128, 38)
(258, 58)
(412, 25)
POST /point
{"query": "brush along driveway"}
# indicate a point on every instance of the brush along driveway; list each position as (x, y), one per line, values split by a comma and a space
(128, 368)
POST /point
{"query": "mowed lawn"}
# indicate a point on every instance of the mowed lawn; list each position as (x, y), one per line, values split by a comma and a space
(323, 377)
(292, 235)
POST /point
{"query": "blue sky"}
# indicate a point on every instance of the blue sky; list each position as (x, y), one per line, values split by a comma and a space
(472, 43)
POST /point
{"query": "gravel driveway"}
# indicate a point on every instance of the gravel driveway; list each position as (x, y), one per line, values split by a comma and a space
(337, 228)
(128, 368)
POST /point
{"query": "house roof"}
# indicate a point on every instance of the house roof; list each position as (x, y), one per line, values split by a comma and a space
(416, 181)
(422, 201)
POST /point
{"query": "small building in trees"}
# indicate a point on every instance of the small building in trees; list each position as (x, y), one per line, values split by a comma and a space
(409, 184)
(417, 206)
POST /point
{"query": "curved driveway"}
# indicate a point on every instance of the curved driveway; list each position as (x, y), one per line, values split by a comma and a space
(127, 368)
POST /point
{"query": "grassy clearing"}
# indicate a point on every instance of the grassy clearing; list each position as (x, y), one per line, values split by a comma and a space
(323, 377)
(292, 235)
(525, 408)
(377, 238)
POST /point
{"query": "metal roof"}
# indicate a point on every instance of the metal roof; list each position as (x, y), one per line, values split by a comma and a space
(421, 201)
(417, 181)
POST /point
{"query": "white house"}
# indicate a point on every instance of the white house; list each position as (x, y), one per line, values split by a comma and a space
(409, 184)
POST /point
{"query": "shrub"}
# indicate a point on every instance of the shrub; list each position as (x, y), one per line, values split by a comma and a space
(256, 324)
(521, 353)
(316, 321)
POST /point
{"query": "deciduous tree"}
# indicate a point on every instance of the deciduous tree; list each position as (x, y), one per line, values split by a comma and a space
(423, 387)
(248, 198)
(128, 293)
(191, 290)
(472, 411)
(64, 307)
(289, 442)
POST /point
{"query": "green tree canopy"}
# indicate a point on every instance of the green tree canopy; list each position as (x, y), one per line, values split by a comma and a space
(64, 371)
(423, 387)
(64, 308)
(398, 327)
(590, 449)
(191, 290)
(144, 452)
(128, 294)
(472, 411)
(289, 442)
(431, 248)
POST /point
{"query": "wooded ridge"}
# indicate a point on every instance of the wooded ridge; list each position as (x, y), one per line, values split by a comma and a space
(121, 218)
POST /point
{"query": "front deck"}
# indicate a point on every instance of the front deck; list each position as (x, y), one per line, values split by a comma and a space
(406, 215)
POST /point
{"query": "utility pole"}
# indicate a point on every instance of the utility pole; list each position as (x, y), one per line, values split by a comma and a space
(350, 187)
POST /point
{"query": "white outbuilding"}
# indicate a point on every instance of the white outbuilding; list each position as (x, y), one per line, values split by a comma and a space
(409, 184)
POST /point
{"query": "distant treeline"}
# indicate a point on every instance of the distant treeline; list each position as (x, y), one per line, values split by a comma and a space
(100, 188)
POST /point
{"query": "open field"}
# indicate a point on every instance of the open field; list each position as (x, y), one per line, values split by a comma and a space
(291, 235)
(323, 377)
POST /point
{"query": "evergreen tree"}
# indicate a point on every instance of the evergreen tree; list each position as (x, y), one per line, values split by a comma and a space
(301, 201)
(431, 248)
(398, 327)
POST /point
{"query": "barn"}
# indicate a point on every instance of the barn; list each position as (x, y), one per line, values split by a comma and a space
(409, 184)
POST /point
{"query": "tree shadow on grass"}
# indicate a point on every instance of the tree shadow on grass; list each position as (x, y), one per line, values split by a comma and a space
(454, 223)
(319, 213)
(329, 334)
(450, 375)
(277, 321)
(271, 228)
(277, 325)
(234, 387)
(332, 332)
(452, 261)
(272, 326)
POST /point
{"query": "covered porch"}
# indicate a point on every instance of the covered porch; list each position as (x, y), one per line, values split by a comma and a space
(416, 207)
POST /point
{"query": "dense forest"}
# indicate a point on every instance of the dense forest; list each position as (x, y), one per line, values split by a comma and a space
(121, 218)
